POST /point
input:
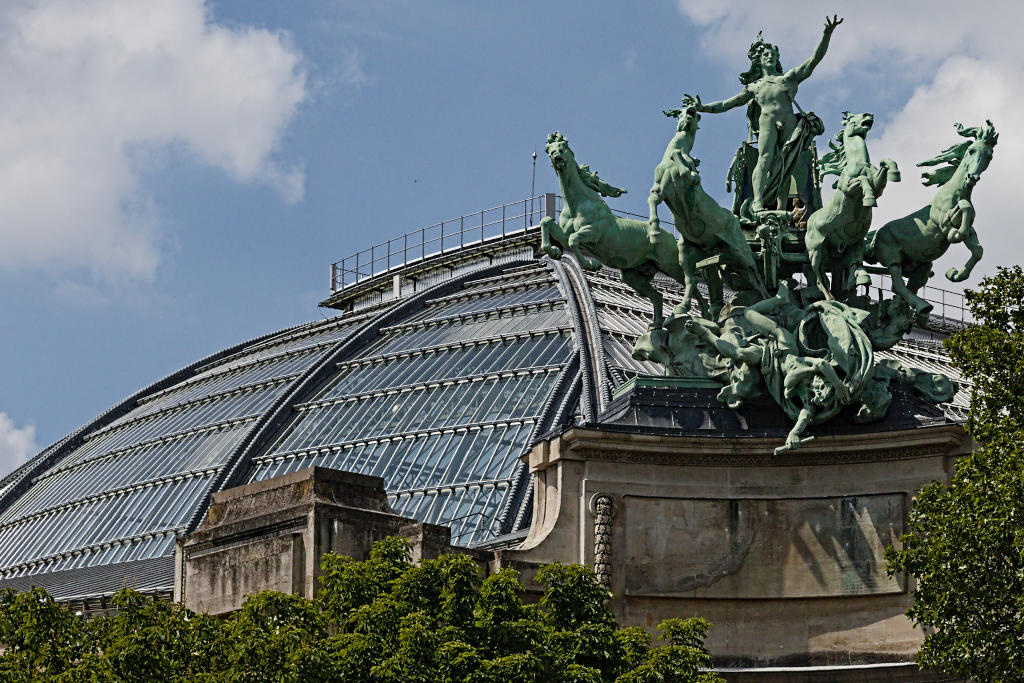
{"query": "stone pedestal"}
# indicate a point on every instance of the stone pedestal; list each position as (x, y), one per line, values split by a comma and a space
(783, 554)
(271, 535)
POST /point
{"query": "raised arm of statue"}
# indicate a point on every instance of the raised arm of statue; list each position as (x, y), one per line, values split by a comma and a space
(804, 70)
(718, 107)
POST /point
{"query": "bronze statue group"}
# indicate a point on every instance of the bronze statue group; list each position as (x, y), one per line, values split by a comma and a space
(809, 348)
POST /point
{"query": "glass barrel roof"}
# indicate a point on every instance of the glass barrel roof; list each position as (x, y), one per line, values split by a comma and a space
(441, 405)
(438, 391)
(134, 482)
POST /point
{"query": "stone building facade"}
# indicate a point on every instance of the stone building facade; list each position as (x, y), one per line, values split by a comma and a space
(479, 398)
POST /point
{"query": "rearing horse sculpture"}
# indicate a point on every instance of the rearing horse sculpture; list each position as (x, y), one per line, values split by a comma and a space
(587, 222)
(836, 231)
(706, 228)
(909, 245)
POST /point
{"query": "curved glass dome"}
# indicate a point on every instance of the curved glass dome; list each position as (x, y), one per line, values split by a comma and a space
(437, 377)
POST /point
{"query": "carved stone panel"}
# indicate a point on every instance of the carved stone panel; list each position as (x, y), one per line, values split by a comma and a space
(760, 548)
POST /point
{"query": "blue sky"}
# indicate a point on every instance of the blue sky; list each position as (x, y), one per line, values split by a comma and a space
(176, 176)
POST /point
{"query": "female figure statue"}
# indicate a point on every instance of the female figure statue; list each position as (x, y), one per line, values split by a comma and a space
(781, 134)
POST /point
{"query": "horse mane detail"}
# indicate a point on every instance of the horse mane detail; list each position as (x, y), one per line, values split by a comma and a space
(591, 180)
(954, 154)
(834, 161)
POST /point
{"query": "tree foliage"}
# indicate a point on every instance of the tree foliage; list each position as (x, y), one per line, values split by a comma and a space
(384, 619)
(965, 545)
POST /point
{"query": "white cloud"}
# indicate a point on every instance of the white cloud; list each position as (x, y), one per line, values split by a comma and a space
(16, 444)
(916, 34)
(955, 63)
(351, 69)
(88, 84)
(924, 127)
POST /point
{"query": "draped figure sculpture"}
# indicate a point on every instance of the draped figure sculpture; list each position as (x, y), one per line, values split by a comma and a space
(780, 132)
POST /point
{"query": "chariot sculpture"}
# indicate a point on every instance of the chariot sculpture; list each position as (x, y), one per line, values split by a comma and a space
(797, 329)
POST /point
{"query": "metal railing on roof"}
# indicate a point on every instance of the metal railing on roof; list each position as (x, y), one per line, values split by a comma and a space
(950, 313)
(468, 230)
(523, 216)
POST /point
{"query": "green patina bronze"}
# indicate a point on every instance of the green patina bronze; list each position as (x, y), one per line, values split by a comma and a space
(836, 231)
(770, 95)
(706, 229)
(908, 246)
(586, 222)
(809, 349)
(801, 377)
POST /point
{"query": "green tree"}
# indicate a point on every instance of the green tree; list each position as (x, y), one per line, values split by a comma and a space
(965, 545)
(384, 620)
(40, 639)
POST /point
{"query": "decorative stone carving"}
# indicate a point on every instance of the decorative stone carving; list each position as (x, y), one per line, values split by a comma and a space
(604, 508)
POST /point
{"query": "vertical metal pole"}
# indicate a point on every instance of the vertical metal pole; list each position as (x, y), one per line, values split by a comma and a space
(502, 220)
(550, 210)
(405, 249)
(332, 278)
(481, 225)
(462, 231)
(387, 266)
(533, 182)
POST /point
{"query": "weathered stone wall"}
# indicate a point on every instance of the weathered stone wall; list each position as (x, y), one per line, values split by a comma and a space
(783, 554)
(271, 535)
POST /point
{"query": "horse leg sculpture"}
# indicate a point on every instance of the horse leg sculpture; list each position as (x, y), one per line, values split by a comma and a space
(876, 181)
(920, 306)
(891, 174)
(962, 213)
(817, 253)
(640, 281)
(853, 268)
(548, 229)
(584, 234)
(917, 277)
(972, 243)
(689, 255)
(867, 191)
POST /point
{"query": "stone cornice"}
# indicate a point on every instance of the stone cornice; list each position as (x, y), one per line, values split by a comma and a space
(592, 444)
